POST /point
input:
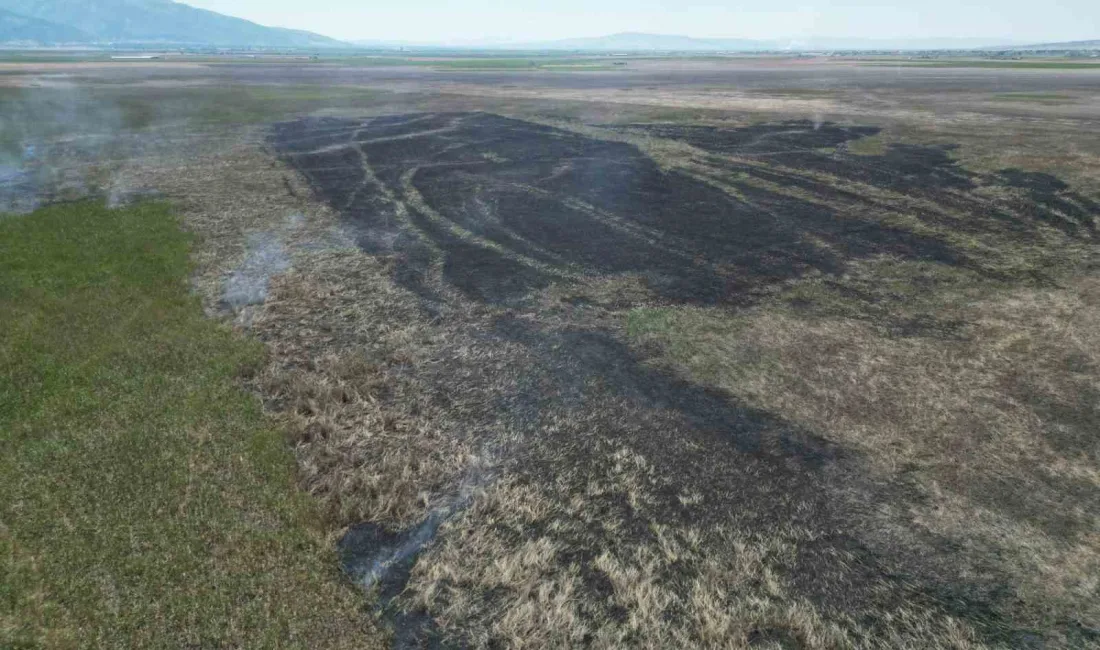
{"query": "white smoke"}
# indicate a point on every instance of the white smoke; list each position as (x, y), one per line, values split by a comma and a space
(266, 257)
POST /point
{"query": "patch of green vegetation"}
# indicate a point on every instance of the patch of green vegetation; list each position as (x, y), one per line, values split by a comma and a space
(145, 500)
(136, 112)
(1024, 65)
(31, 114)
(265, 104)
(1034, 97)
(382, 61)
(48, 57)
(481, 63)
(809, 93)
(578, 66)
(874, 145)
(696, 338)
(547, 63)
(486, 64)
(674, 115)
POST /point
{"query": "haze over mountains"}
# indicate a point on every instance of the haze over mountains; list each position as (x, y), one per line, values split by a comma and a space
(641, 42)
(631, 41)
(140, 22)
(156, 23)
(15, 28)
(1068, 45)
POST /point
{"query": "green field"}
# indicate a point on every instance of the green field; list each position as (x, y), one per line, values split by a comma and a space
(478, 63)
(42, 113)
(1052, 98)
(1016, 65)
(145, 499)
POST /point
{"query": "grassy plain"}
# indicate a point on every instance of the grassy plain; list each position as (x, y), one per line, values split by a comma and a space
(146, 499)
(1002, 65)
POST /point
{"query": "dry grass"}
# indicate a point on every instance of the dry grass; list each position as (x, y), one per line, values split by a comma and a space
(352, 371)
(507, 573)
(992, 433)
(372, 443)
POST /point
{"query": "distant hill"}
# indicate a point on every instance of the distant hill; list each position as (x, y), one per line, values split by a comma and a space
(1067, 45)
(642, 42)
(633, 41)
(638, 42)
(32, 31)
(911, 44)
(156, 22)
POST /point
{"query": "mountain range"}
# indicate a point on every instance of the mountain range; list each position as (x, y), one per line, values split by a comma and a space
(158, 23)
(140, 22)
(18, 29)
(1067, 45)
(632, 41)
(642, 42)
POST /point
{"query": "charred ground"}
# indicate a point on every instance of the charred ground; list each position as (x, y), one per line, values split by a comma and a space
(498, 207)
(546, 233)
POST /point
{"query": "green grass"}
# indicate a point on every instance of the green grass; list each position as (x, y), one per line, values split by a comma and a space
(484, 64)
(808, 93)
(41, 113)
(874, 145)
(49, 57)
(145, 500)
(1023, 65)
(1053, 98)
(479, 63)
(694, 338)
(578, 66)
(265, 104)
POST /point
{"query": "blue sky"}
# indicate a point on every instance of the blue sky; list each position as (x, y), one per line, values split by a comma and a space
(460, 21)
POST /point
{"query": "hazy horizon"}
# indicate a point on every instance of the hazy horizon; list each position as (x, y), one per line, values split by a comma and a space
(489, 21)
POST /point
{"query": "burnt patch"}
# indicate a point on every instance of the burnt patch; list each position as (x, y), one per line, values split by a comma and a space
(476, 207)
(487, 275)
(1052, 201)
(806, 154)
(582, 365)
(754, 471)
(791, 135)
(505, 206)
(1034, 181)
(821, 149)
(365, 554)
(376, 558)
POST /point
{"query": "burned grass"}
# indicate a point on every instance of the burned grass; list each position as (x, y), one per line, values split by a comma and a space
(983, 464)
(627, 462)
(500, 207)
(724, 384)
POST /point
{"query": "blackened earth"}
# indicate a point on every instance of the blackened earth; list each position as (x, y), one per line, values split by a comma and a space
(505, 206)
(478, 207)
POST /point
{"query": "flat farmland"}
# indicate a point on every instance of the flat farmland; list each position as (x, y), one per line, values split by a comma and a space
(684, 352)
